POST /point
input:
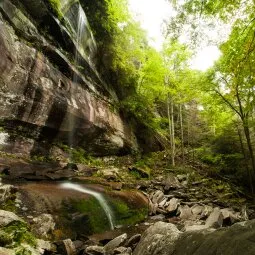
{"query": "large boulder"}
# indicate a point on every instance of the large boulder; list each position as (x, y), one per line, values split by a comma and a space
(153, 240)
(165, 239)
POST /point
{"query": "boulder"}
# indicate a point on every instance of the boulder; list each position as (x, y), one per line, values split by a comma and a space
(152, 239)
(157, 197)
(172, 205)
(185, 212)
(197, 209)
(165, 239)
(115, 243)
(7, 217)
(235, 240)
(43, 224)
(215, 220)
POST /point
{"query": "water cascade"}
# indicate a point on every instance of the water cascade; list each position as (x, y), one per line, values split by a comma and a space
(97, 196)
(85, 48)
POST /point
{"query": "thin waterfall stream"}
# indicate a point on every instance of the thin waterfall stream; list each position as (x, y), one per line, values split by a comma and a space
(98, 196)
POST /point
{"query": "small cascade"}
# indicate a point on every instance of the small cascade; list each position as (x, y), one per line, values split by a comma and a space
(85, 42)
(97, 196)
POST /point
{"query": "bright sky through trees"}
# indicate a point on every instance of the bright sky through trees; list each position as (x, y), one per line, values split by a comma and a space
(151, 14)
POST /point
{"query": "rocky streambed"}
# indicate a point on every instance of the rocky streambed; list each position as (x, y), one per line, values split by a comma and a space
(169, 214)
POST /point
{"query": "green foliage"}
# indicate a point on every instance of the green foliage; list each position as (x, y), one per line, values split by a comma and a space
(79, 155)
(17, 235)
(19, 232)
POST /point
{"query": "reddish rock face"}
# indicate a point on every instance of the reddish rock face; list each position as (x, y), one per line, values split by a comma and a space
(41, 104)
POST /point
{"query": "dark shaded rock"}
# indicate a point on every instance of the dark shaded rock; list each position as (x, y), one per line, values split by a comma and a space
(113, 244)
(71, 166)
(235, 240)
(229, 217)
(66, 247)
(143, 173)
(133, 241)
(4, 169)
(78, 244)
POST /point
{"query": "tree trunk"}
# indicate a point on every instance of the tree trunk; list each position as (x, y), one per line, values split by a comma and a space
(173, 135)
(249, 145)
(182, 136)
(169, 120)
(170, 113)
(245, 158)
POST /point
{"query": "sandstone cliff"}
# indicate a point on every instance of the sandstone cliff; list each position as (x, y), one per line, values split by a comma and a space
(47, 96)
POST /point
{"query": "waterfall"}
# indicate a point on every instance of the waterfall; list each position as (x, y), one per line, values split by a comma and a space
(97, 196)
(85, 47)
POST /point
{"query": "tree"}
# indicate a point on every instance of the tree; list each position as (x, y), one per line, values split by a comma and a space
(233, 77)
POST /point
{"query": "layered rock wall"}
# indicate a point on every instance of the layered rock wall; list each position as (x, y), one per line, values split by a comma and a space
(41, 103)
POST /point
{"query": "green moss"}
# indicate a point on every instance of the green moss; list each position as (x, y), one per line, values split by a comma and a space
(94, 219)
(56, 8)
(126, 215)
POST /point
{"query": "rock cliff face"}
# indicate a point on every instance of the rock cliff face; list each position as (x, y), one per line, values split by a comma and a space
(46, 96)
